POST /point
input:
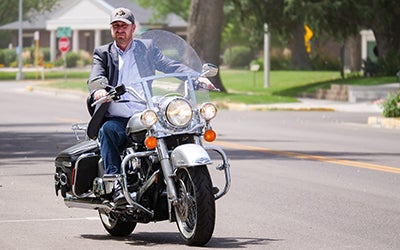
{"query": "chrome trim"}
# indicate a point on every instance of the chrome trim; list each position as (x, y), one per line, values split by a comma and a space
(76, 171)
(87, 203)
(122, 180)
(189, 155)
(63, 179)
(224, 166)
(147, 184)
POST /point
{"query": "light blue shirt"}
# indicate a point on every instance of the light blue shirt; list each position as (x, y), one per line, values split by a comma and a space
(128, 73)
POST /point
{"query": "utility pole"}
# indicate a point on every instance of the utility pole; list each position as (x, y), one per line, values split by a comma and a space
(20, 76)
(266, 56)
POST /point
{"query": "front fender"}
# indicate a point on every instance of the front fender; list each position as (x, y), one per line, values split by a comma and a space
(189, 155)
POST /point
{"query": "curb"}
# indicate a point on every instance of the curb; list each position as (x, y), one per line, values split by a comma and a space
(56, 92)
(267, 107)
(384, 122)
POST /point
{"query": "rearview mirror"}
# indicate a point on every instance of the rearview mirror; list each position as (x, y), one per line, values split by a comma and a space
(209, 70)
(99, 82)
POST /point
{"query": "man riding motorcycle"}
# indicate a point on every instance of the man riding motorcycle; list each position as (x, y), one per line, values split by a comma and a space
(124, 61)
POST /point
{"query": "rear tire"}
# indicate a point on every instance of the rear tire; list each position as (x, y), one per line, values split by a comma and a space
(114, 225)
(195, 210)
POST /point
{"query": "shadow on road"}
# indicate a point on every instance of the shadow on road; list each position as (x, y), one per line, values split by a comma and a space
(27, 146)
(158, 238)
(30, 145)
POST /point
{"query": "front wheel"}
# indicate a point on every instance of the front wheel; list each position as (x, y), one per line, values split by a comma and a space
(114, 225)
(195, 209)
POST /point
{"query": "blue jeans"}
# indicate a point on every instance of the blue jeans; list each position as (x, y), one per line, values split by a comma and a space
(112, 137)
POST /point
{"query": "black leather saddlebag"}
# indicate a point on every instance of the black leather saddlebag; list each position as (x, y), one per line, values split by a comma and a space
(77, 167)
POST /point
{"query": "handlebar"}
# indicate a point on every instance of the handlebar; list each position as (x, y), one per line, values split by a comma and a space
(114, 94)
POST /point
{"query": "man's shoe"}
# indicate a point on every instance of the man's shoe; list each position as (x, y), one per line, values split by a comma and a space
(118, 195)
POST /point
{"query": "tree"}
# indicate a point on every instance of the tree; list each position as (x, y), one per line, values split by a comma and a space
(343, 18)
(205, 35)
(339, 19)
(285, 18)
(9, 9)
(163, 8)
(9, 12)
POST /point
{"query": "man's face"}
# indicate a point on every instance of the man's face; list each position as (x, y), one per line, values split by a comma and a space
(122, 32)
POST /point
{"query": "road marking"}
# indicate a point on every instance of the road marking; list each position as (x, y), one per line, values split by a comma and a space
(69, 120)
(348, 163)
(48, 220)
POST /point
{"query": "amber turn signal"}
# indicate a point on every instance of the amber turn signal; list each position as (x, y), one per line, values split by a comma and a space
(150, 142)
(210, 135)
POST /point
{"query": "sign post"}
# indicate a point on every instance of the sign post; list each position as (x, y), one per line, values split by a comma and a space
(36, 38)
(64, 33)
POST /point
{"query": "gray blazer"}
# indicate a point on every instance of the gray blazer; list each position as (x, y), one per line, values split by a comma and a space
(105, 63)
(148, 59)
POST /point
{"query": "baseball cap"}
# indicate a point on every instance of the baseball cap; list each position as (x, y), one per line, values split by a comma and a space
(122, 14)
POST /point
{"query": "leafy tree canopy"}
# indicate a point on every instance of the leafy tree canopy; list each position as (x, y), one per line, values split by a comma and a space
(9, 9)
(163, 8)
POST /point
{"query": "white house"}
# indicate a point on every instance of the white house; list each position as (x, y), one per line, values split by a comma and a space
(88, 23)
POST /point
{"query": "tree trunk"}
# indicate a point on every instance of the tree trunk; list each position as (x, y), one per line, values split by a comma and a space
(205, 32)
(299, 59)
(388, 39)
(387, 35)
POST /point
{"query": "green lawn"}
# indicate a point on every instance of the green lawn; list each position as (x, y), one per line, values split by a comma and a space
(243, 86)
(284, 86)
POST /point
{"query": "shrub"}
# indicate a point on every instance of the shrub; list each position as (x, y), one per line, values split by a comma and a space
(279, 59)
(10, 55)
(319, 62)
(391, 105)
(28, 56)
(2, 62)
(238, 56)
(278, 62)
(85, 58)
(72, 59)
(46, 54)
(391, 64)
(259, 62)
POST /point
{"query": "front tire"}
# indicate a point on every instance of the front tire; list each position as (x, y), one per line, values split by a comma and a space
(115, 226)
(195, 209)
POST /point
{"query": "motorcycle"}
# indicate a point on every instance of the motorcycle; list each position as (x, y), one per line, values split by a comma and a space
(164, 173)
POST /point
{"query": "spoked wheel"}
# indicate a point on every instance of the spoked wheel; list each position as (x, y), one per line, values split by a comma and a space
(195, 209)
(114, 225)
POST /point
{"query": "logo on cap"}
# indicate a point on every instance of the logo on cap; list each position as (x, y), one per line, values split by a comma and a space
(120, 13)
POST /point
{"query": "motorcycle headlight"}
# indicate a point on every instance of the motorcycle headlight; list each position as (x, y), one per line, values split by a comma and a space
(208, 111)
(148, 118)
(179, 112)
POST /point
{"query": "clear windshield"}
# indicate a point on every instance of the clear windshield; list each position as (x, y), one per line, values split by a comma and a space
(175, 48)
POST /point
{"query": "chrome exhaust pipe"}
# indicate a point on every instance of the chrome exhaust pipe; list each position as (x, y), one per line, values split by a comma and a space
(63, 179)
(87, 203)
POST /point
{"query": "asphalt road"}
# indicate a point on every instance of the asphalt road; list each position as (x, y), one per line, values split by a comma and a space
(301, 180)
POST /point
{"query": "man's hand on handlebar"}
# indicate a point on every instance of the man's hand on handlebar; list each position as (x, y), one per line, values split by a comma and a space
(205, 83)
(99, 94)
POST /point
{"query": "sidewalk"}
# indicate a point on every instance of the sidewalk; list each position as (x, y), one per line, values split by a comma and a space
(307, 104)
(373, 109)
